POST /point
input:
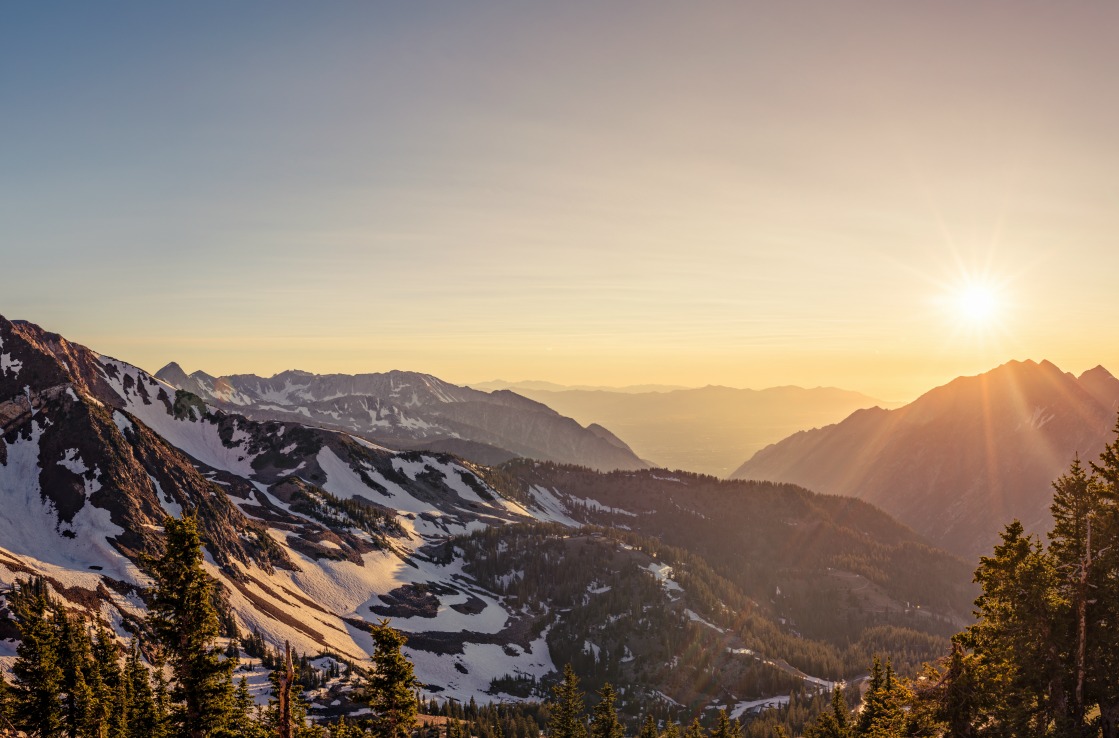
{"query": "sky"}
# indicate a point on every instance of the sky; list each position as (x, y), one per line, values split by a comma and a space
(879, 196)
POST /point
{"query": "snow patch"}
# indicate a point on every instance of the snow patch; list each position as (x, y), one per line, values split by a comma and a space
(695, 617)
(72, 461)
(766, 703)
(8, 365)
(483, 663)
(599, 507)
(30, 529)
(663, 574)
(122, 422)
(548, 507)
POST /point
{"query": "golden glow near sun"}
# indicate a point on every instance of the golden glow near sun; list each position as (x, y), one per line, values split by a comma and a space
(977, 304)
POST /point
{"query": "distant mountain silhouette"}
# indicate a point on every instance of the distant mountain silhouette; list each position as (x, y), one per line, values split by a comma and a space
(537, 385)
(708, 430)
(962, 460)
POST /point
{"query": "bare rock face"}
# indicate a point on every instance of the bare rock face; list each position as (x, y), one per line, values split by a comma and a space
(408, 410)
(964, 459)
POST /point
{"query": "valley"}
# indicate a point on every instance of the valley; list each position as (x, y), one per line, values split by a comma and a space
(688, 592)
(498, 575)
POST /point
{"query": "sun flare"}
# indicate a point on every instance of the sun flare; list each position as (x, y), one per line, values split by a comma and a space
(977, 304)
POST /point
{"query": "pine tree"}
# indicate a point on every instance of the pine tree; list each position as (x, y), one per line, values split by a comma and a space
(287, 711)
(1017, 638)
(243, 724)
(883, 714)
(724, 728)
(102, 675)
(565, 709)
(833, 723)
(952, 694)
(648, 728)
(185, 621)
(7, 728)
(1103, 653)
(695, 730)
(37, 675)
(283, 688)
(391, 688)
(1077, 508)
(144, 719)
(604, 720)
(79, 702)
(118, 717)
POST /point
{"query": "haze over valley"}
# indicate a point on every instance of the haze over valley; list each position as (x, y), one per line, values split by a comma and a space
(708, 429)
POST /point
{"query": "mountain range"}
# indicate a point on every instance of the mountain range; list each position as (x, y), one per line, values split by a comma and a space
(963, 459)
(708, 430)
(413, 411)
(666, 584)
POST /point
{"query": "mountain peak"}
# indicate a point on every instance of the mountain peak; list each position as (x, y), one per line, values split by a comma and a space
(1096, 372)
(172, 374)
(963, 457)
(1102, 385)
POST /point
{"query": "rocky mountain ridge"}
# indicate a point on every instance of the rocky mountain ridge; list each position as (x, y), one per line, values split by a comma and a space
(410, 410)
(963, 459)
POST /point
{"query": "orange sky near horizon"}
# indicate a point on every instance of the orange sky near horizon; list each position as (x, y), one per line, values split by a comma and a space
(746, 194)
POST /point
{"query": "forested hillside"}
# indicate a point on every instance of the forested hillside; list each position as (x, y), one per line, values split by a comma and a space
(831, 567)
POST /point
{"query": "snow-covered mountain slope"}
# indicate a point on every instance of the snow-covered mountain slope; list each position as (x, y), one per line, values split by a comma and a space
(313, 534)
(498, 576)
(408, 410)
(304, 528)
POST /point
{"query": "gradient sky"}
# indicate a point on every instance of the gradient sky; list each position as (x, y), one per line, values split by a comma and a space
(735, 193)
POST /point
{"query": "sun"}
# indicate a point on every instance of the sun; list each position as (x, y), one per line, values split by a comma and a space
(977, 304)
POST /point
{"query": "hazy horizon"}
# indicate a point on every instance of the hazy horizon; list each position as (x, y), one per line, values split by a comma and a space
(875, 196)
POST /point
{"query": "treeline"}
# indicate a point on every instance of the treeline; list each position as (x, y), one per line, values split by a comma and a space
(72, 678)
(612, 620)
(568, 717)
(495, 720)
(765, 536)
(1042, 661)
(1043, 658)
(543, 565)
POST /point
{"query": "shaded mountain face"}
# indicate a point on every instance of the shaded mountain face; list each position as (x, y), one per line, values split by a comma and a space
(771, 538)
(496, 575)
(707, 430)
(409, 410)
(964, 459)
